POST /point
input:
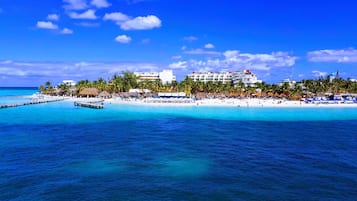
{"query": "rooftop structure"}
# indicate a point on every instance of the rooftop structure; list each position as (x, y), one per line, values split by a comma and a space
(165, 76)
(70, 83)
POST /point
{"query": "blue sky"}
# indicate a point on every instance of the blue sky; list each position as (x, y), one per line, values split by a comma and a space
(86, 39)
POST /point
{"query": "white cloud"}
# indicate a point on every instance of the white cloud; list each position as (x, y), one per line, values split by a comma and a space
(178, 65)
(190, 38)
(184, 47)
(234, 60)
(75, 4)
(87, 24)
(53, 17)
(209, 46)
(202, 52)
(259, 61)
(100, 3)
(66, 31)
(116, 17)
(176, 57)
(89, 14)
(123, 39)
(46, 25)
(12, 71)
(319, 73)
(36, 73)
(141, 23)
(333, 56)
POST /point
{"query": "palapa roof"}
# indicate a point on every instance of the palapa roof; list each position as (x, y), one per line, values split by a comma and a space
(104, 94)
(89, 91)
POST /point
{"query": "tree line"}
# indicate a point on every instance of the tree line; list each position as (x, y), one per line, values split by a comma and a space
(128, 80)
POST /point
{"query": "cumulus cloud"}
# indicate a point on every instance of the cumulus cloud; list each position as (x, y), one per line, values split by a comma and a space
(235, 60)
(141, 23)
(46, 25)
(66, 31)
(209, 46)
(178, 65)
(89, 15)
(259, 61)
(319, 73)
(333, 56)
(100, 3)
(123, 39)
(53, 17)
(202, 52)
(190, 38)
(117, 17)
(75, 4)
(36, 73)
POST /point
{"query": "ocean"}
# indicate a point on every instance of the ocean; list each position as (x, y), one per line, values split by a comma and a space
(56, 151)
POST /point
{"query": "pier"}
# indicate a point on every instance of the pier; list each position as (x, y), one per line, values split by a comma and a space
(36, 102)
(93, 105)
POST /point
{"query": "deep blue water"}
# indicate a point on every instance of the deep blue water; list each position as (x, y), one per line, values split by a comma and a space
(57, 152)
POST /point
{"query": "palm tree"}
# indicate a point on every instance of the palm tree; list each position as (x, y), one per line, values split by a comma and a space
(129, 80)
(48, 85)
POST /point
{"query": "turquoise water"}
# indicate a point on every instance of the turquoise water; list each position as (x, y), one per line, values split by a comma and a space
(16, 95)
(56, 151)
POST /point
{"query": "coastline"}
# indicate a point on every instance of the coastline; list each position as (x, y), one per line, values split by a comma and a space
(244, 103)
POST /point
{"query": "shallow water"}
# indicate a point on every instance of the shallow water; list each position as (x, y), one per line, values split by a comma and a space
(58, 152)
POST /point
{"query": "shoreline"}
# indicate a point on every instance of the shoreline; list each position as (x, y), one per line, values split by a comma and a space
(243, 103)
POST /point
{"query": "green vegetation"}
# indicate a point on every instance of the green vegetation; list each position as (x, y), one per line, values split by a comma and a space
(47, 89)
(127, 81)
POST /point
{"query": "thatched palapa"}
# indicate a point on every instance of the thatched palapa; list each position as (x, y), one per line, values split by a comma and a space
(89, 92)
(104, 94)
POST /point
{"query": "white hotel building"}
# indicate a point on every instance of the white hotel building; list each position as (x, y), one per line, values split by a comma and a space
(165, 76)
(224, 77)
(244, 76)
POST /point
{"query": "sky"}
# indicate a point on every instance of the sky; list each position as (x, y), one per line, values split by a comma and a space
(58, 40)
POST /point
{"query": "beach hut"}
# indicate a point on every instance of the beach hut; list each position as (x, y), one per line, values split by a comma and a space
(89, 92)
(104, 94)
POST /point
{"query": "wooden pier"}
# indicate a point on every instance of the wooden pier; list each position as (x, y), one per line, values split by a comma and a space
(93, 105)
(29, 103)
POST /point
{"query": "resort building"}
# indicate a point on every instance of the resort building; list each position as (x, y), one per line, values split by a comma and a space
(291, 83)
(70, 83)
(244, 76)
(165, 76)
(224, 77)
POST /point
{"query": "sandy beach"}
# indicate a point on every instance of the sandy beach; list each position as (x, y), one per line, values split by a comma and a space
(251, 102)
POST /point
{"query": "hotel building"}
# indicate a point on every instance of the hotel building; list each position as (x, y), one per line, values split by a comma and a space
(165, 76)
(244, 76)
(224, 77)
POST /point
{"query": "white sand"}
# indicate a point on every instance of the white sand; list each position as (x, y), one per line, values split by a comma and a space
(232, 103)
(229, 102)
